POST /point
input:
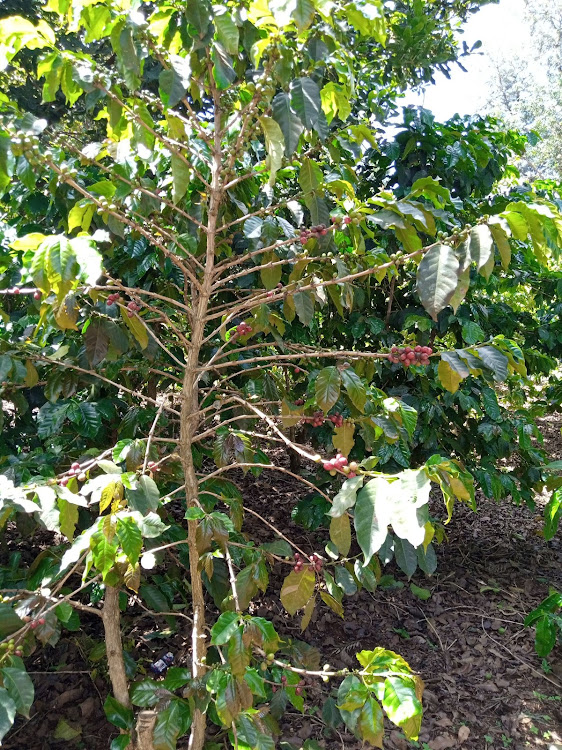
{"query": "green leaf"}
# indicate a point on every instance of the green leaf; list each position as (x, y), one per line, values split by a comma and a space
(181, 177)
(406, 557)
(552, 514)
(327, 387)
(306, 101)
(130, 538)
(402, 705)
(118, 714)
(96, 341)
(297, 589)
(481, 247)
(345, 580)
(370, 725)
(371, 526)
(303, 14)
(103, 552)
(224, 628)
(20, 688)
(490, 402)
(355, 388)
(146, 693)
(437, 278)
(145, 497)
(290, 124)
(310, 176)
(421, 593)
(176, 677)
(223, 72)
(174, 82)
(154, 598)
(227, 32)
(7, 712)
(121, 742)
(346, 497)
(173, 722)
(304, 306)
(238, 656)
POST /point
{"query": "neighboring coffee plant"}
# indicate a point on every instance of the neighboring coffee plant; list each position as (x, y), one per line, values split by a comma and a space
(547, 621)
(159, 332)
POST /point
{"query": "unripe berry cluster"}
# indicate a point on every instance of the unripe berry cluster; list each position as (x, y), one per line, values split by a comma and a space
(112, 299)
(132, 308)
(317, 231)
(243, 329)
(337, 419)
(407, 356)
(9, 647)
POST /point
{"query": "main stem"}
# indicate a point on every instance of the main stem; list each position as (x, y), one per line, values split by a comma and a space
(111, 617)
(189, 423)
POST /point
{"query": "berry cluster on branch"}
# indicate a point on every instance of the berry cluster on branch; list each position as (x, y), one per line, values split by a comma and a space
(407, 356)
(315, 562)
(319, 230)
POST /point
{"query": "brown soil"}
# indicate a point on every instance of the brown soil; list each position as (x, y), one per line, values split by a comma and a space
(486, 689)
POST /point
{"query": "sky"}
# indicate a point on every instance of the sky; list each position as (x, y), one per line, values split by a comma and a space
(501, 29)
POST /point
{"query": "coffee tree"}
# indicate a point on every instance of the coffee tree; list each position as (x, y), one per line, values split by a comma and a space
(184, 243)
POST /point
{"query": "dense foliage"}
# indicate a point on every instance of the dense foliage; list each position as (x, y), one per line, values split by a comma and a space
(209, 252)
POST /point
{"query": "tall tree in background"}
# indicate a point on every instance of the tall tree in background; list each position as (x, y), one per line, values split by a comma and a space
(526, 89)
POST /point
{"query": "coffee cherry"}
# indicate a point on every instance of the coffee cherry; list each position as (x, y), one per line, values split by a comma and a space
(298, 690)
(37, 295)
(15, 290)
(353, 466)
(41, 621)
(283, 679)
(18, 652)
(75, 465)
(274, 688)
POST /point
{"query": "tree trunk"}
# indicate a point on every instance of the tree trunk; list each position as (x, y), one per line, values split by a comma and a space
(111, 617)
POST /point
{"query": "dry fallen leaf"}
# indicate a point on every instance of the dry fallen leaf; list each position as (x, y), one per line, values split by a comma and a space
(443, 742)
(464, 733)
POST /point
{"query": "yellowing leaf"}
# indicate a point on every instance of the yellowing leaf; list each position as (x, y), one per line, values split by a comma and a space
(429, 534)
(289, 416)
(137, 329)
(449, 378)
(340, 533)
(308, 612)
(274, 145)
(297, 589)
(343, 438)
(67, 313)
(32, 376)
